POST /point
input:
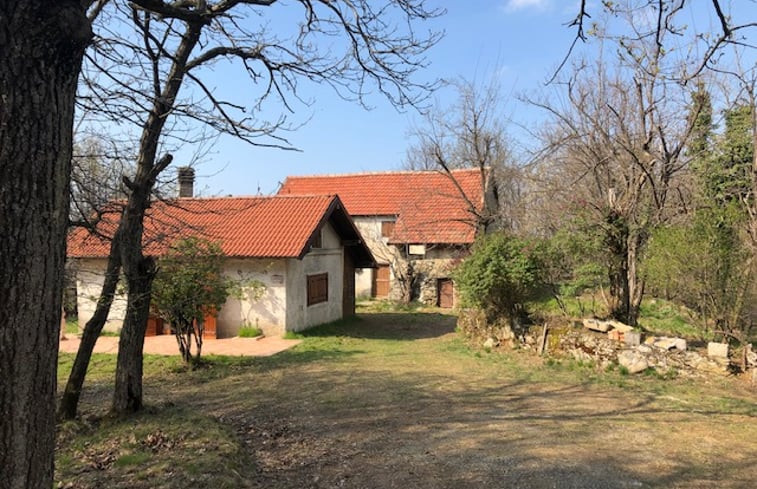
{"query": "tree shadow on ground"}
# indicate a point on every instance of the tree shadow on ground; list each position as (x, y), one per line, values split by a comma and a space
(361, 428)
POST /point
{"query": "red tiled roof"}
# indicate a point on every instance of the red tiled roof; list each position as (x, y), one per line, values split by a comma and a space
(264, 227)
(428, 205)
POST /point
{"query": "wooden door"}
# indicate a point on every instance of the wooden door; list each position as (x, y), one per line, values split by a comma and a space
(446, 293)
(381, 281)
(209, 323)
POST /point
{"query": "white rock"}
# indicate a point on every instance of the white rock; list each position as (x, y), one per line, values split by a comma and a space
(490, 343)
(623, 328)
(596, 325)
(644, 349)
(717, 350)
(633, 361)
(632, 338)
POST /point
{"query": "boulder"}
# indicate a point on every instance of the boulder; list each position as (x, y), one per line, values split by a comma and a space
(632, 338)
(634, 361)
(596, 325)
(666, 343)
(490, 343)
(717, 350)
(623, 328)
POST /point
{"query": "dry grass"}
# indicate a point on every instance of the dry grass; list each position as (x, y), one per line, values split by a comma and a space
(397, 400)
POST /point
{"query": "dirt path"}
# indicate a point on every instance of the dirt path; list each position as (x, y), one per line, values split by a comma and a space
(397, 401)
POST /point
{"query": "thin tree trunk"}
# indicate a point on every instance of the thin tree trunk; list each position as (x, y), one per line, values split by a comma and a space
(70, 400)
(139, 270)
(127, 395)
(41, 47)
(635, 283)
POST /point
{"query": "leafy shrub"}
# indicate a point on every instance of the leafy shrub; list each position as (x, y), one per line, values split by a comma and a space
(500, 275)
(249, 332)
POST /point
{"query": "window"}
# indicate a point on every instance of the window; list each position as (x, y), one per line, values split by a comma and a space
(387, 228)
(318, 288)
(318, 240)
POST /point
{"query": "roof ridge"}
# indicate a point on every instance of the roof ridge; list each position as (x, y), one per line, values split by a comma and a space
(247, 197)
(384, 172)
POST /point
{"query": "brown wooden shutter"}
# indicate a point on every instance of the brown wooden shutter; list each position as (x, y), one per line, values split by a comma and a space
(318, 288)
(387, 229)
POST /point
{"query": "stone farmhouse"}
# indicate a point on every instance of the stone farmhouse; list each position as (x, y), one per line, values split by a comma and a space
(417, 224)
(303, 249)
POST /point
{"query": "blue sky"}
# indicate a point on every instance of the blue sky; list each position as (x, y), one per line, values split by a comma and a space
(520, 42)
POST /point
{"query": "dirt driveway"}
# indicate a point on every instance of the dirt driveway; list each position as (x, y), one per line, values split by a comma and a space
(399, 401)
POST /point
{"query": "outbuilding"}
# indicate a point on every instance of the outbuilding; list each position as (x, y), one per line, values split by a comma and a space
(301, 253)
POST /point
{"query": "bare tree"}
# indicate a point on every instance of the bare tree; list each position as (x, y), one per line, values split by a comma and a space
(471, 134)
(148, 51)
(42, 46)
(665, 23)
(616, 152)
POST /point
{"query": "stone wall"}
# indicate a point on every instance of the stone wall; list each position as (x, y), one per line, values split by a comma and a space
(568, 340)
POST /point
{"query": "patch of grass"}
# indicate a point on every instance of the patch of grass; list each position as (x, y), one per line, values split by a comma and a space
(380, 306)
(151, 449)
(585, 305)
(250, 332)
(137, 458)
(102, 366)
(665, 318)
(72, 326)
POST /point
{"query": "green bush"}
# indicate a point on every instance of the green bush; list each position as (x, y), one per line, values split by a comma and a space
(500, 275)
(249, 332)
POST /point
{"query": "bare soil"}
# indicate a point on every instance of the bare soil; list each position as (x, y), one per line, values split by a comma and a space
(398, 401)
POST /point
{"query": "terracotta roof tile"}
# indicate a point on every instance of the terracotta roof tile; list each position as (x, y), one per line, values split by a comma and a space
(265, 227)
(428, 205)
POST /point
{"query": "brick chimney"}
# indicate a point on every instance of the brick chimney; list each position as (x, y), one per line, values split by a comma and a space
(186, 181)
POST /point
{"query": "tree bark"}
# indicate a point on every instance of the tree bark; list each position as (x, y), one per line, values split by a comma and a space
(69, 402)
(127, 395)
(41, 48)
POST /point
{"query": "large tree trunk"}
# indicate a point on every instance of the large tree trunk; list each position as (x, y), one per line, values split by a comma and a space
(41, 47)
(70, 400)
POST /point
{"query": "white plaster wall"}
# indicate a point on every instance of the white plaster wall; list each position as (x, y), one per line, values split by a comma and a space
(90, 275)
(363, 282)
(268, 312)
(328, 259)
(370, 230)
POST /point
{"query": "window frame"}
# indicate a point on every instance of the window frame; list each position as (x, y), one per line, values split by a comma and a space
(317, 288)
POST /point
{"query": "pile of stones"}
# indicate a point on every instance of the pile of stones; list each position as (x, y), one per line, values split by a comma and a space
(606, 343)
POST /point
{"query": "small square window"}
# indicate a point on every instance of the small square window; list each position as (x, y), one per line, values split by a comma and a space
(387, 229)
(318, 288)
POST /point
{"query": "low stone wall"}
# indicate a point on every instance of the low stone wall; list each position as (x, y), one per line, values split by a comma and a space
(565, 339)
